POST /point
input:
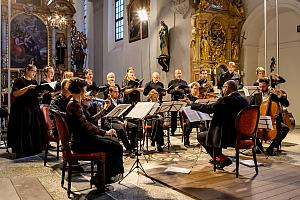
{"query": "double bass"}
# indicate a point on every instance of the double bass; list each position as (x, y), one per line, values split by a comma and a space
(272, 109)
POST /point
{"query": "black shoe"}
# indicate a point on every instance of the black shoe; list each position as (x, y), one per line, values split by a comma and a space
(270, 151)
(94, 181)
(78, 168)
(159, 149)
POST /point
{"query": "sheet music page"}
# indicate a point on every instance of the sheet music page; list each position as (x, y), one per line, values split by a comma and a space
(265, 122)
(177, 105)
(165, 106)
(51, 84)
(154, 109)
(118, 110)
(140, 110)
(203, 116)
(192, 115)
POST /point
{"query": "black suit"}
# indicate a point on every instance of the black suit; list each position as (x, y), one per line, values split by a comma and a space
(282, 129)
(175, 96)
(120, 128)
(221, 132)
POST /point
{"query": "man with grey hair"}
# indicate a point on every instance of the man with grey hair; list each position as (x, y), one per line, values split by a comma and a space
(231, 74)
(221, 133)
(155, 84)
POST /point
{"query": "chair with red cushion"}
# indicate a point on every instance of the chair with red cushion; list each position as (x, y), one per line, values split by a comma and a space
(246, 124)
(70, 157)
(49, 124)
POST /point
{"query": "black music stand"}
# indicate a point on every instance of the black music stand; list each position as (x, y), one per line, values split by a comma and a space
(117, 112)
(139, 112)
(168, 107)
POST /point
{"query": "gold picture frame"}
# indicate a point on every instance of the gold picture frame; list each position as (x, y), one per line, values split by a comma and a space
(134, 21)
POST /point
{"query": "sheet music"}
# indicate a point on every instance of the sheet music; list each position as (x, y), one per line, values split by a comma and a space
(195, 116)
(119, 110)
(140, 110)
(51, 84)
(177, 105)
(165, 107)
(250, 90)
(207, 101)
(265, 122)
(154, 109)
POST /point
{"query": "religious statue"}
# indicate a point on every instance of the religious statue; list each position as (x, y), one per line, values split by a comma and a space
(78, 43)
(205, 48)
(235, 51)
(60, 51)
(164, 39)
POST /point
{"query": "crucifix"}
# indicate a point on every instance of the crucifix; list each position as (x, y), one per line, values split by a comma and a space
(242, 40)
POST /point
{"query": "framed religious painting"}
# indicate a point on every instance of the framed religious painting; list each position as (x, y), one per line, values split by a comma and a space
(29, 41)
(134, 26)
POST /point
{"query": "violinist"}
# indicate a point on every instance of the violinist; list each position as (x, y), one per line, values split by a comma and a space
(118, 124)
(261, 73)
(157, 133)
(177, 88)
(221, 133)
(192, 97)
(265, 96)
(132, 87)
(110, 77)
(155, 84)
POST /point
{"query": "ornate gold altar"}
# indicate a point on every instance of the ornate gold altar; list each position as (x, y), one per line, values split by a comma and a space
(216, 36)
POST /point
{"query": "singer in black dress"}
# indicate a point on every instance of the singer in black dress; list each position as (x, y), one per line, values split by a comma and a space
(26, 127)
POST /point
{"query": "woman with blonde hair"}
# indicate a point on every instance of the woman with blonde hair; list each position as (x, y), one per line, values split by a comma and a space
(132, 87)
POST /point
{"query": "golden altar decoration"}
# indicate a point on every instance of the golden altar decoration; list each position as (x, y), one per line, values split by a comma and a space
(216, 36)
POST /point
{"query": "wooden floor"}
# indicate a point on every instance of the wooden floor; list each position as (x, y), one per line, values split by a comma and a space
(275, 180)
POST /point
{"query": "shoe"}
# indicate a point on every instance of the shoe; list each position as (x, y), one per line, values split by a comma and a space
(221, 162)
(159, 149)
(94, 181)
(78, 168)
(270, 151)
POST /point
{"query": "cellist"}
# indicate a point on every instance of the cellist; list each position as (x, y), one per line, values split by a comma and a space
(267, 97)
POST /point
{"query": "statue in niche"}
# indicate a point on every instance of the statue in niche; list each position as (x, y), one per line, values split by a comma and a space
(164, 39)
(195, 46)
(61, 47)
(205, 47)
(235, 51)
(78, 44)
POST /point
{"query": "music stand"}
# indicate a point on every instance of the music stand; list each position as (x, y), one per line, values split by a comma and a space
(139, 112)
(168, 107)
(117, 112)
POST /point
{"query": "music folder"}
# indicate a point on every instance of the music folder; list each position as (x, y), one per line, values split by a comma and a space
(250, 90)
(118, 111)
(265, 122)
(46, 86)
(195, 116)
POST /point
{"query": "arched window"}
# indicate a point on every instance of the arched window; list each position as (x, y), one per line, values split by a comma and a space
(119, 21)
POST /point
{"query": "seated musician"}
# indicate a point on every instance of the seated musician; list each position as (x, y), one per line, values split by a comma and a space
(221, 133)
(110, 77)
(118, 124)
(265, 96)
(231, 74)
(155, 84)
(157, 133)
(192, 97)
(88, 138)
(177, 88)
(261, 73)
(60, 102)
(132, 88)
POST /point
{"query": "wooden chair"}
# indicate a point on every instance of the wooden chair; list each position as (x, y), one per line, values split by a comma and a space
(246, 124)
(70, 157)
(50, 138)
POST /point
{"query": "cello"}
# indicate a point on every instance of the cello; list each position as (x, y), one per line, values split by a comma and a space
(269, 108)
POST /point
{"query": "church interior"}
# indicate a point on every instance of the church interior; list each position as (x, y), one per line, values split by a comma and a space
(148, 38)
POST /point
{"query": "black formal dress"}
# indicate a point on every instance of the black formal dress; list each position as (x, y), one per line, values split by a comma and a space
(88, 138)
(175, 96)
(134, 96)
(27, 131)
(221, 132)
